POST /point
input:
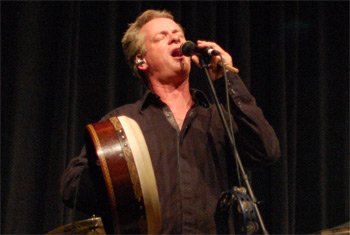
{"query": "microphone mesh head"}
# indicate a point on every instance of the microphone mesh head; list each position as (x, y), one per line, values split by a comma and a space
(188, 48)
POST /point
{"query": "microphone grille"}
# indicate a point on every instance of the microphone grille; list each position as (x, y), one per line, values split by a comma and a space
(188, 48)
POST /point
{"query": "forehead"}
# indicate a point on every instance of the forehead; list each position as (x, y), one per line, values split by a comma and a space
(158, 25)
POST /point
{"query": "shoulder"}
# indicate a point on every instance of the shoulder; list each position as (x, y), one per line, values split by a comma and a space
(130, 110)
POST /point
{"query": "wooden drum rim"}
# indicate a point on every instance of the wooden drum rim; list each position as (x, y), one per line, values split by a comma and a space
(128, 172)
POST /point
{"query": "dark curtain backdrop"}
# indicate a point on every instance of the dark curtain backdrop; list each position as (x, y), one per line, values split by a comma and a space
(62, 67)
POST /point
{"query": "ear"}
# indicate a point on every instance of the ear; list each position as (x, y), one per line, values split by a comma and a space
(141, 62)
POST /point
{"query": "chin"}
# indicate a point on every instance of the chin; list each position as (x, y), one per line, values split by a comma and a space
(185, 67)
(183, 74)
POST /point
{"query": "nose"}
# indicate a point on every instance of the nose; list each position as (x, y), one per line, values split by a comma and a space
(175, 38)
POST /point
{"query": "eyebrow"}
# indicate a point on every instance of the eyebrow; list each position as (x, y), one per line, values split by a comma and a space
(179, 30)
(173, 31)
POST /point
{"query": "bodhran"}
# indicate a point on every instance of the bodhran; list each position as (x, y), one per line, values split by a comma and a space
(119, 148)
(92, 225)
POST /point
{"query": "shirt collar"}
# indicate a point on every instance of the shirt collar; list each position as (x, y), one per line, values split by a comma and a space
(151, 98)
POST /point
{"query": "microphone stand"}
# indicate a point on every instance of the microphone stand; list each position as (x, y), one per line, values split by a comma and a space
(204, 65)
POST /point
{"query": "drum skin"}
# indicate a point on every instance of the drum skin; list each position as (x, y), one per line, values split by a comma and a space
(120, 150)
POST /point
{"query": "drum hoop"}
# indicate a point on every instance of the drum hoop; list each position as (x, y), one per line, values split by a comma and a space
(136, 159)
(105, 171)
(129, 157)
(145, 172)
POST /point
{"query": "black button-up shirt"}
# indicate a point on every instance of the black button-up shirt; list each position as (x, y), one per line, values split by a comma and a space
(192, 166)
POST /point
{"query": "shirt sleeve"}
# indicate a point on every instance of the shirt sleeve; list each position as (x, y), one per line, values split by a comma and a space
(255, 138)
(83, 184)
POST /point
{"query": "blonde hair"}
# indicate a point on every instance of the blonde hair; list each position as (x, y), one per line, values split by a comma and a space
(132, 41)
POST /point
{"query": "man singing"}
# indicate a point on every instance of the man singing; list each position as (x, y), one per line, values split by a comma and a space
(191, 155)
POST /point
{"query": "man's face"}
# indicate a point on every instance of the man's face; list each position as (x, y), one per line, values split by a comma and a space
(162, 41)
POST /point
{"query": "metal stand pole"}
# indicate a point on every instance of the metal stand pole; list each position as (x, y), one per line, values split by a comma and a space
(233, 143)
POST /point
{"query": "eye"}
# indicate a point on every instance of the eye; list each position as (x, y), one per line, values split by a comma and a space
(159, 37)
(179, 33)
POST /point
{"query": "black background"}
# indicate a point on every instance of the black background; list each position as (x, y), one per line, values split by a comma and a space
(62, 67)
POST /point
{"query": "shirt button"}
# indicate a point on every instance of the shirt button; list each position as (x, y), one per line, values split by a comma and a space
(233, 92)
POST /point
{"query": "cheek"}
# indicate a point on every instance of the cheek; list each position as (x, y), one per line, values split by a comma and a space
(156, 54)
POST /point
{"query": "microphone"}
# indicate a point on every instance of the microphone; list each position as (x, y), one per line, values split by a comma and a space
(189, 48)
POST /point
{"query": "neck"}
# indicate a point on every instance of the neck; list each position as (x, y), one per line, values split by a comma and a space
(178, 98)
(171, 92)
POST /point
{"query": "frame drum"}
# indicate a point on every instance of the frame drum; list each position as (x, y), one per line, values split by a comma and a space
(120, 149)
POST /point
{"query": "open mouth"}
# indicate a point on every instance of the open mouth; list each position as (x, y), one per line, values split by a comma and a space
(176, 53)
